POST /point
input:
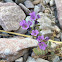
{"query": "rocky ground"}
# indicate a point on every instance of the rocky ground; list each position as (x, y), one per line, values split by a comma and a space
(19, 49)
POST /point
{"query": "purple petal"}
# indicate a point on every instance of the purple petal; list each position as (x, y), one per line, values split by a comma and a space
(38, 16)
(30, 23)
(25, 26)
(46, 38)
(42, 37)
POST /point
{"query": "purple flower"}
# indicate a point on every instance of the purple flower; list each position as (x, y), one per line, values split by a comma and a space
(29, 28)
(30, 23)
(24, 24)
(36, 22)
(32, 16)
(40, 38)
(46, 38)
(23, 21)
(38, 16)
(42, 45)
(34, 32)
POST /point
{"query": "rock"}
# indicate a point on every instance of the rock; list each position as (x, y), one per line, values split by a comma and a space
(13, 48)
(46, 32)
(56, 39)
(56, 29)
(36, 2)
(30, 59)
(47, 10)
(37, 9)
(29, 4)
(11, 15)
(47, 1)
(19, 1)
(56, 59)
(45, 23)
(59, 10)
(21, 31)
(19, 60)
(8, 0)
(26, 10)
(61, 36)
(61, 61)
(41, 60)
(42, 7)
(51, 2)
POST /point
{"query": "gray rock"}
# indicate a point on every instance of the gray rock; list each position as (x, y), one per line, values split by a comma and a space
(30, 59)
(19, 60)
(29, 4)
(51, 2)
(46, 32)
(61, 61)
(47, 1)
(8, 0)
(19, 1)
(26, 10)
(61, 36)
(11, 15)
(21, 31)
(42, 7)
(13, 48)
(45, 24)
(56, 39)
(59, 10)
(56, 59)
(37, 9)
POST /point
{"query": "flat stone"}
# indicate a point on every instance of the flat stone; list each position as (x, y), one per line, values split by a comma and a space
(19, 60)
(56, 39)
(30, 59)
(11, 15)
(61, 36)
(37, 9)
(36, 2)
(29, 4)
(19, 1)
(56, 59)
(26, 10)
(59, 10)
(13, 48)
(8, 0)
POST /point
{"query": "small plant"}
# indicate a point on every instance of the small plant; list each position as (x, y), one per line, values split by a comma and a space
(35, 32)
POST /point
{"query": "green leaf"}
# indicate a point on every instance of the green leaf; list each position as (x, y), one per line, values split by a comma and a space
(49, 44)
(38, 51)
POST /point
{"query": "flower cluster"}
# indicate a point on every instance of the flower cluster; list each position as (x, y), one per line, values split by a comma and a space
(35, 32)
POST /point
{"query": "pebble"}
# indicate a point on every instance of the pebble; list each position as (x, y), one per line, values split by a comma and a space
(61, 36)
(36, 2)
(19, 1)
(37, 9)
(19, 60)
(8, 0)
(29, 4)
(30, 59)
(47, 1)
(56, 59)
(57, 39)
(51, 2)
(26, 10)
